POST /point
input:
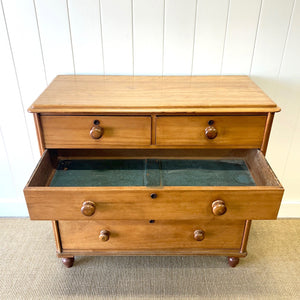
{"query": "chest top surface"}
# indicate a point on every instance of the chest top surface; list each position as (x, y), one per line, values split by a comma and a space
(153, 94)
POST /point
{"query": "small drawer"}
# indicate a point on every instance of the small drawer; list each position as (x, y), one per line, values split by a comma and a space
(98, 185)
(150, 235)
(210, 131)
(95, 131)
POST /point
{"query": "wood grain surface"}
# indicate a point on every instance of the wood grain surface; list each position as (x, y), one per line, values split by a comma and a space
(232, 131)
(244, 202)
(141, 235)
(153, 113)
(74, 131)
(115, 94)
(65, 203)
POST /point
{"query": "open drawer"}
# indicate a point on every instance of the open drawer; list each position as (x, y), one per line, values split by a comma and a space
(153, 184)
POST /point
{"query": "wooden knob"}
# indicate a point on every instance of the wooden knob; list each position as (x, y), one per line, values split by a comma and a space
(211, 132)
(218, 207)
(96, 131)
(88, 208)
(199, 235)
(104, 235)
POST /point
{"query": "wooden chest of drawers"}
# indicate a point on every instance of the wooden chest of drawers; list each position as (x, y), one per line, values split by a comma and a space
(153, 165)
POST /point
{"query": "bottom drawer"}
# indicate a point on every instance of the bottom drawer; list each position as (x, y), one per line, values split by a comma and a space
(143, 235)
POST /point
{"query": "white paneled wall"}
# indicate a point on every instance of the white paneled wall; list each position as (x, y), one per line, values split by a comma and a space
(243, 16)
(179, 35)
(116, 16)
(148, 36)
(210, 32)
(86, 36)
(40, 39)
(55, 36)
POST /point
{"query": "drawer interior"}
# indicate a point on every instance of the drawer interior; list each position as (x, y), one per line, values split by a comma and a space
(152, 172)
(153, 168)
(152, 184)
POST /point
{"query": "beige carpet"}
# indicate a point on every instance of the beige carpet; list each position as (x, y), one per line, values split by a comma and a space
(29, 269)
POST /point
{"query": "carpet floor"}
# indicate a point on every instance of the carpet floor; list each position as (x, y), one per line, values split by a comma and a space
(29, 268)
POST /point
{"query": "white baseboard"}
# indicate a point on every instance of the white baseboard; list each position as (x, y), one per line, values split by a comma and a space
(289, 209)
(18, 208)
(13, 208)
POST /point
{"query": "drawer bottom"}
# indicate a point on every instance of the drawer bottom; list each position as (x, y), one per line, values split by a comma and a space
(150, 235)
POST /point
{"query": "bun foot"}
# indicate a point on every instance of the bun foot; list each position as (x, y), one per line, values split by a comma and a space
(68, 261)
(233, 261)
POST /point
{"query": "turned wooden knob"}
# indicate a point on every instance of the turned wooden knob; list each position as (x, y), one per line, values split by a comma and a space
(199, 235)
(96, 131)
(104, 235)
(218, 207)
(211, 132)
(88, 208)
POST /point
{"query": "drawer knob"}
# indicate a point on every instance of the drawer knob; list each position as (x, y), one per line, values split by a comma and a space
(210, 131)
(96, 131)
(88, 208)
(104, 235)
(218, 208)
(199, 235)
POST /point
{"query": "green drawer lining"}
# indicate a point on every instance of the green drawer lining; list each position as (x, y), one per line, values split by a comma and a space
(152, 172)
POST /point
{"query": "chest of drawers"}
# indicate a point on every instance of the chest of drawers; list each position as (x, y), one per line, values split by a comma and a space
(153, 165)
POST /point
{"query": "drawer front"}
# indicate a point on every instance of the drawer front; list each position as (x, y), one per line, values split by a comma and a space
(211, 131)
(143, 235)
(72, 202)
(135, 204)
(77, 131)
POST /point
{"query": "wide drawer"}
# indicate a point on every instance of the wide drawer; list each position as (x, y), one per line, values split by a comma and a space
(210, 131)
(84, 131)
(143, 235)
(74, 185)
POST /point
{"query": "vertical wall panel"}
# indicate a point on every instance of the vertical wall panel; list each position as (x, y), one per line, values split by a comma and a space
(289, 98)
(7, 191)
(240, 37)
(117, 36)
(269, 49)
(291, 175)
(55, 37)
(148, 18)
(12, 121)
(270, 41)
(25, 43)
(209, 36)
(179, 36)
(40, 39)
(86, 36)
(10, 204)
